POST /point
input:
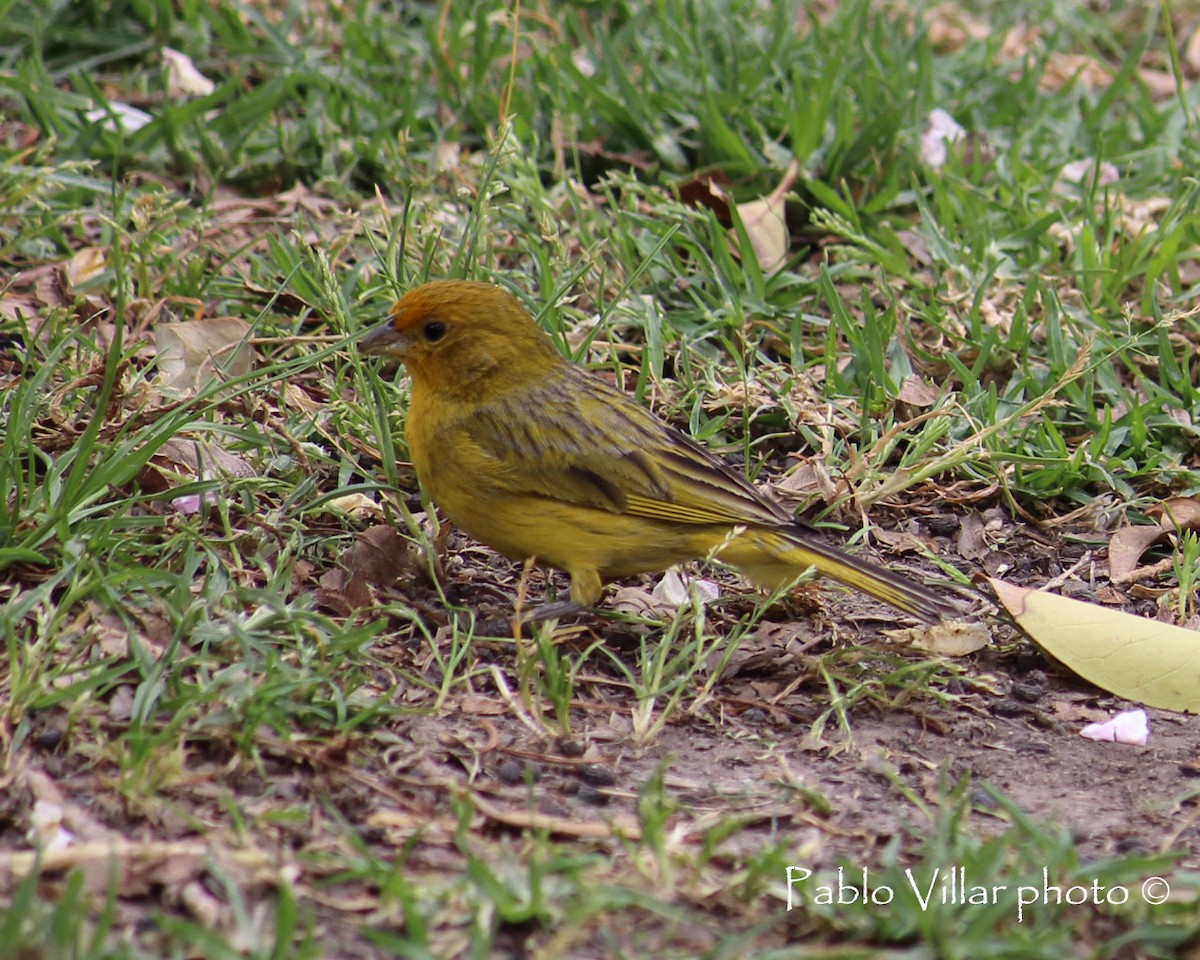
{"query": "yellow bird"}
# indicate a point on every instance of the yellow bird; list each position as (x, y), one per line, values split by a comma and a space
(535, 457)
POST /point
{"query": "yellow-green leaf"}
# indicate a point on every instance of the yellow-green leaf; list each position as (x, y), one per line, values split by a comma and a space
(1141, 660)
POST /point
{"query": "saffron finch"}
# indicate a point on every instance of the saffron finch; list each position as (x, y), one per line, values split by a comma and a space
(535, 457)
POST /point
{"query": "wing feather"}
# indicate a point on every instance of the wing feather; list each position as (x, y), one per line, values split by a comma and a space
(578, 440)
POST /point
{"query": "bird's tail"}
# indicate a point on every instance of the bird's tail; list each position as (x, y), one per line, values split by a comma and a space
(774, 557)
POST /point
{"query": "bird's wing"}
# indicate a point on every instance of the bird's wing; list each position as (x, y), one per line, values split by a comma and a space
(578, 440)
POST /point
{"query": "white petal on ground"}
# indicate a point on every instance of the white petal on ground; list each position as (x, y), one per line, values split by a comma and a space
(1128, 727)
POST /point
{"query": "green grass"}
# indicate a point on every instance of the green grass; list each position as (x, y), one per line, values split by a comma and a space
(196, 675)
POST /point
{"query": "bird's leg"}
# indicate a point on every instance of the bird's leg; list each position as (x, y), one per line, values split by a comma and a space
(554, 610)
(522, 615)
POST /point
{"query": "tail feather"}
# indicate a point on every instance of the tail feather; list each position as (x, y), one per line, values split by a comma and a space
(771, 557)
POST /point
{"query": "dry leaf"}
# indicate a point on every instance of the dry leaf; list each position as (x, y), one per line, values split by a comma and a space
(379, 557)
(355, 505)
(918, 392)
(676, 588)
(765, 221)
(201, 460)
(1125, 549)
(1191, 50)
(916, 246)
(951, 638)
(1178, 513)
(996, 315)
(1020, 42)
(184, 460)
(949, 28)
(84, 266)
(1073, 711)
(299, 399)
(480, 706)
(809, 478)
(671, 592)
(447, 157)
(46, 831)
(193, 353)
(972, 538)
(898, 541)
(639, 602)
(1160, 83)
(1127, 544)
(33, 291)
(120, 705)
(1077, 68)
(201, 904)
(708, 190)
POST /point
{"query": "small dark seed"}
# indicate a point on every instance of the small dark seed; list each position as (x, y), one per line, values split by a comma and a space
(1029, 660)
(596, 775)
(48, 739)
(1027, 692)
(589, 794)
(567, 747)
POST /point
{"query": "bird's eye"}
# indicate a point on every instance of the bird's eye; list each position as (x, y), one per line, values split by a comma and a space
(434, 331)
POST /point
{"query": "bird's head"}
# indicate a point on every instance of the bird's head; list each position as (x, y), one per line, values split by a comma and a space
(451, 334)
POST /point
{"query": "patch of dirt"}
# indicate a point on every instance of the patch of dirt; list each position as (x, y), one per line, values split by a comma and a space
(1115, 799)
(1005, 716)
(758, 746)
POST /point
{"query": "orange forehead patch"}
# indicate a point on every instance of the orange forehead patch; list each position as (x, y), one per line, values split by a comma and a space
(411, 309)
(436, 297)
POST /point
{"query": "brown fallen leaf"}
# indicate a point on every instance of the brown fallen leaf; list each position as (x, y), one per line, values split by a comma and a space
(1070, 710)
(972, 541)
(1076, 68)
(1160, 83)
(950, 28)
(809, 478)
(765, 221)
(84, 266)
(193, 353)
(897, 542)
(1127, 544)
(184, 460)
(952, 638)
(1125, 549)
(481, 706)
(708, 190)
(918, 392)
(379, 557)
(199, 460)
(1191, 50)
(1178, 513)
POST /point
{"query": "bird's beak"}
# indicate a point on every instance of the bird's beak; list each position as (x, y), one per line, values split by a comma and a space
(383, 340)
